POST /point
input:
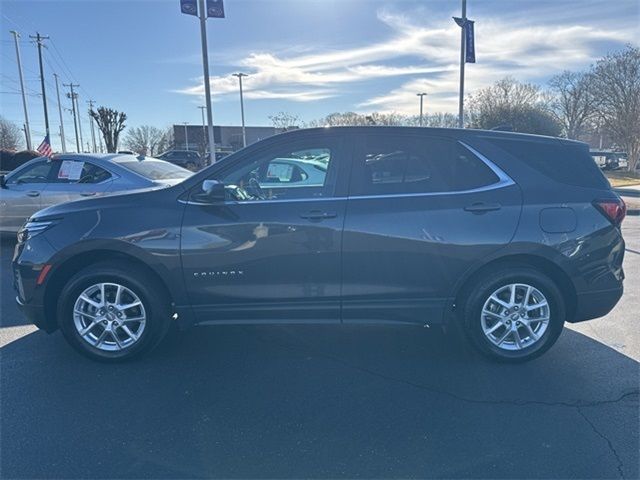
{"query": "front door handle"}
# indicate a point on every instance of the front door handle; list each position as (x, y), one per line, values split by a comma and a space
(88, 194)
(33, 193)
(318, 215)
(481, 207)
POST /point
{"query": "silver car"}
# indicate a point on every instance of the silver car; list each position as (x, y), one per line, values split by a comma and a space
(42, 182)
(292, 172)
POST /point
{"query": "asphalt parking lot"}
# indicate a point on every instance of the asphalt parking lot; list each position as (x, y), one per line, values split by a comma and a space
(293, 401)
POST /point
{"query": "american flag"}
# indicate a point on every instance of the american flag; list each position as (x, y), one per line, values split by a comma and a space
(45, 147)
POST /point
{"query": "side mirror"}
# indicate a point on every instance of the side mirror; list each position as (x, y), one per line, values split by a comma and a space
(213, 190)
(3, 181)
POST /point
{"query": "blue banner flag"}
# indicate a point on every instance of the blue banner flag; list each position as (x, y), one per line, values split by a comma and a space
(470, 43)
(215, 9)
(190, 7)
(469, 39)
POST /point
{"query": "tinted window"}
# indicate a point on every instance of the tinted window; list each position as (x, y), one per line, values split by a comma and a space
(296, 172)
(566, 163)
(37, 173)
(405, 164)
(156, 169)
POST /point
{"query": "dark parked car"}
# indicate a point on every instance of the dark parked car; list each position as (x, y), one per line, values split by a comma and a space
(500, 236)
(184, 158)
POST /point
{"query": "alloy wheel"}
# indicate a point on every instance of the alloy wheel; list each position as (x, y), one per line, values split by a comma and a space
(109, 316)
(515, 316)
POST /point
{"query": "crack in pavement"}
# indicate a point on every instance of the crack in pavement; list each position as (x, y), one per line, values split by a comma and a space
(576, 404)
(604, 437)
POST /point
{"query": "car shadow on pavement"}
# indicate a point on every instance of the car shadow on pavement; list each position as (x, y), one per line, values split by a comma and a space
(317, 401)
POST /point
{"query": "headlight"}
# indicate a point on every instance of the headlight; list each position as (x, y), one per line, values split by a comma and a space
(31, 229)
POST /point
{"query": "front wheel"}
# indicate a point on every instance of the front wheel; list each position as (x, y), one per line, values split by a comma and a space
(113, 312)
(514, 314)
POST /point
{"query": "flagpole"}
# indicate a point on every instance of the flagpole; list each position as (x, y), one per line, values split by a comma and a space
(207, 86)
(462, 59)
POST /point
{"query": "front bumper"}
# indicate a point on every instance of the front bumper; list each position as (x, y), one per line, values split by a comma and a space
(34, 314)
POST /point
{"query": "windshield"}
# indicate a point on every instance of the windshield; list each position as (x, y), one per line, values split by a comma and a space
(156, 169)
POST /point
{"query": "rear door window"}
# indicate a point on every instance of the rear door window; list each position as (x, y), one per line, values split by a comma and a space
(567, 163)
(404, 164)
(39, 172)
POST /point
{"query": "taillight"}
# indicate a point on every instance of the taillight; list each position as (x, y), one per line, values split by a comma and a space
(614, 209)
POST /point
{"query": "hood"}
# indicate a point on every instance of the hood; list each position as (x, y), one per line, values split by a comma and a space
(127, 199)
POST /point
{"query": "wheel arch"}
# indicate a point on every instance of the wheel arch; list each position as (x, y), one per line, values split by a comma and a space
(59, 277)
(548, 267)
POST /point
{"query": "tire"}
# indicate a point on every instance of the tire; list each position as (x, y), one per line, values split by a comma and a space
(519, 342)
(127, 336)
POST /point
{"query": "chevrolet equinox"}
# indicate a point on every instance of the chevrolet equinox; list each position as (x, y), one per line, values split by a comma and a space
(500, 236)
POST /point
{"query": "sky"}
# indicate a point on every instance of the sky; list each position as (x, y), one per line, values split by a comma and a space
(305, 57)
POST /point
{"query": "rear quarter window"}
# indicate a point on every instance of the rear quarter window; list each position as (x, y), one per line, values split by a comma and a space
(566, 163)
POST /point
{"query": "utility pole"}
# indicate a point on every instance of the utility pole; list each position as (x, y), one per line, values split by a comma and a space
(462, 59)
(244, 132)
(204, 128)
(79, 120)
(62, 139)
(186, 136)
(93, 133)
(27, 132)
(73, 96)
(207, 87)
(39, 38)
(421, 95)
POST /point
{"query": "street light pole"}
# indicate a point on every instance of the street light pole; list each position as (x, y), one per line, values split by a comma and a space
(186, 136)
(62, 139)
(93, 132)
(79, 119)
(207, 87)
(204, 128)
(27, 130)
(421, 95)
(462, 47)
(244, 131)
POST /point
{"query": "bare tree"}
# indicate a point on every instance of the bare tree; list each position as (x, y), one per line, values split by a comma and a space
(166, 141)
(284, 120)
(616, 87)
(521, 106)
(572, 102)
(145, 139)
(10, 135)
(441, 120)
(338, 119)
(111, 123)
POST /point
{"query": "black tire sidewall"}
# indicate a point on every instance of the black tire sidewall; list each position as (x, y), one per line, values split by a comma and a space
(156, 309)
(489, 284)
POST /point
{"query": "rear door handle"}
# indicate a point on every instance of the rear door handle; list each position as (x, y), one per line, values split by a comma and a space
(318, 215)
(481, 207)
(87, 194)
(33, 193)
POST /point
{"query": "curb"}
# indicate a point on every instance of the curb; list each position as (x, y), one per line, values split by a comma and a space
(627, 192)
(634, 212)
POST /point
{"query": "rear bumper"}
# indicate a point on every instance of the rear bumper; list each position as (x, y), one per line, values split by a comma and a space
(595, 304)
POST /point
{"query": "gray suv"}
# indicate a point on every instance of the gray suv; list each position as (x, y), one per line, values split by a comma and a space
(500, 236)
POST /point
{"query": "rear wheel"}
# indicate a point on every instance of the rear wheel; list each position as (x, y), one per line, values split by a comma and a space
(513, 315)
(111, 312)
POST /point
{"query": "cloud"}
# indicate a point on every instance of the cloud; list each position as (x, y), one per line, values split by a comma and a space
(424, 48)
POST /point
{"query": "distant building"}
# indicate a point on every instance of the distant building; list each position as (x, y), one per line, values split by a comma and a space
(227, 138)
